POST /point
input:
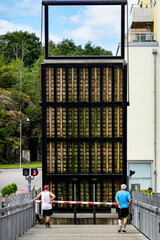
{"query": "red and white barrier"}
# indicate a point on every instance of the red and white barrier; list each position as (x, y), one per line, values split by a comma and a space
(75, 202)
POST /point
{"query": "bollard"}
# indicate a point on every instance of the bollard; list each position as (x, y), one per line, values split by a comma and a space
(94, 180)
(75, 213)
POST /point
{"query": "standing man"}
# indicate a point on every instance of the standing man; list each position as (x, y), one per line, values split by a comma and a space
(47, 197)
(123, 199)
(150, 191)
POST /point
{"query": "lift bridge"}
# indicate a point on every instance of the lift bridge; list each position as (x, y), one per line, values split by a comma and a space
(84, 144)
(84, 120)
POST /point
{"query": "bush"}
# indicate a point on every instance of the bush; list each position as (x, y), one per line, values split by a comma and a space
(5, 190)
(14, 186)
(9, 189)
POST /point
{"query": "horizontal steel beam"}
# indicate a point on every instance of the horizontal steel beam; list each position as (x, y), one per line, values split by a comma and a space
(85, 139)
(83, 2)
(84, 104)
(92, 61)
(84, 176)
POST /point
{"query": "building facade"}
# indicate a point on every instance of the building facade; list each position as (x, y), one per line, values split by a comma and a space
(143, 57)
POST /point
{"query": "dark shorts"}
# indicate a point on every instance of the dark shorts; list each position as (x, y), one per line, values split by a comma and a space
(47, 212)
(123, 213)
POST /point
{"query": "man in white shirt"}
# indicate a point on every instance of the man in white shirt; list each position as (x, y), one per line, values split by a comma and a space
(47, 197)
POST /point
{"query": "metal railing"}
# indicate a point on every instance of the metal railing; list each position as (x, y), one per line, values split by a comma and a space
(146, 214)
(142, 37)
(17, 215)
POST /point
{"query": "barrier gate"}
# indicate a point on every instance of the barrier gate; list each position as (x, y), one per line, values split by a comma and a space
(84, 121)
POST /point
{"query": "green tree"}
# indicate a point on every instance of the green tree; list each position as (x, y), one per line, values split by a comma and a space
(20, 45)
(53, 50)
(66, 47)
(31, 82)
(9, 72)
(90, 49)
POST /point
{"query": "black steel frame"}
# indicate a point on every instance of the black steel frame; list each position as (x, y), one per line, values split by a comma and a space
(81, 176)
(47, 3)
(92, 178)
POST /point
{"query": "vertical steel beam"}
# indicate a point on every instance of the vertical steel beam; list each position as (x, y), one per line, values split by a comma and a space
(122, 30)
(66, 73)
(78, 116)
(90, 130)
(124, 140)
(113, 89)
(55, 115)
(101, 121)
(44, 130)
(46, 31)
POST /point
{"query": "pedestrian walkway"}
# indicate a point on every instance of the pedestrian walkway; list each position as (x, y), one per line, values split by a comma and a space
(82, 232)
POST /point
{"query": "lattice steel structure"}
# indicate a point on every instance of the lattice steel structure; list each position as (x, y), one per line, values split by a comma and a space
(84, 125)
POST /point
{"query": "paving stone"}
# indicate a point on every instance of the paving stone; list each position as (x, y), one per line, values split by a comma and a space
(82, 232)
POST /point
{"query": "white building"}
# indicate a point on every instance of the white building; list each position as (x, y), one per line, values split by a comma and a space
(144, 95)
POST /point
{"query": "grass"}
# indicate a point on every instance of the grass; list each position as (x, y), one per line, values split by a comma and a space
(24, 165)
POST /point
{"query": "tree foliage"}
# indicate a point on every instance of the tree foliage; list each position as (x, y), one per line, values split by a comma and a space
(20, 45)
(68, 47)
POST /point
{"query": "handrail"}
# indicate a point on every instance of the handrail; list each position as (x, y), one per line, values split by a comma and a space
(10, 208)
(146, 214)
(142, 36)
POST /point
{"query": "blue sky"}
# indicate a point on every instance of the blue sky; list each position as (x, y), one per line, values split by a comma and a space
(101, 25)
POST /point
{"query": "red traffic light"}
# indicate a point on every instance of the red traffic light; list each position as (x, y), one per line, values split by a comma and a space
(34, 171)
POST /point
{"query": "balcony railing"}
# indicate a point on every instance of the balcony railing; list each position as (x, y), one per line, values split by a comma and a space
(142, 37)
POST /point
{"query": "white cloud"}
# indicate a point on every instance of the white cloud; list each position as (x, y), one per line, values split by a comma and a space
(95, 22)
(55, 38)
(84, 33)
(7, 26)
(75, 18)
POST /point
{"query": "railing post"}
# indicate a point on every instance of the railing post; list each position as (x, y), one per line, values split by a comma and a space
(74, 191)
(6, 204)
(94, 180)
(38, 205)
(0, 204)
(0, 215)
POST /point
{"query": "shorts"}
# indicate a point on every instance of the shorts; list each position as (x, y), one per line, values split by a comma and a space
(123, 213)
(47, 212)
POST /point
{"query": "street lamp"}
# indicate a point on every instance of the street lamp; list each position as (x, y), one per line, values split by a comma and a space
(27, 120)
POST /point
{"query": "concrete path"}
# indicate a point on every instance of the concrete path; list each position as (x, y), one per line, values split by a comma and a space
(9, 176)
(81, 232)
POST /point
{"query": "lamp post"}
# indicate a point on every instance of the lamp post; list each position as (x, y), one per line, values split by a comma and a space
(20, 160)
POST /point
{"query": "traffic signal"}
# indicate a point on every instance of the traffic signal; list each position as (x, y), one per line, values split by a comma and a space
(25, 172)
(34, 172)
(131, 173)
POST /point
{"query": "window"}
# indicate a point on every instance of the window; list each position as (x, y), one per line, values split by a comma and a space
(142, 174)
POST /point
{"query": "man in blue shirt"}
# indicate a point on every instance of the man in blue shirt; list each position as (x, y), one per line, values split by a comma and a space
(123, 199)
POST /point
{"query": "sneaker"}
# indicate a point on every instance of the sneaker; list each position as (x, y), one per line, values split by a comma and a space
(48, 225)
(120, 228)
(124, 230)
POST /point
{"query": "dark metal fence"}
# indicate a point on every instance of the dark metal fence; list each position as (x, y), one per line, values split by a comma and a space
(146, 214)
(17, 215)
